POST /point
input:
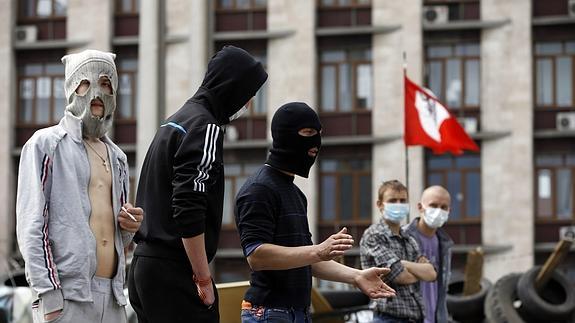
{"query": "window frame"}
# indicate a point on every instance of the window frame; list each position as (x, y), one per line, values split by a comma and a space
(23, 18)
(353, 79)
(553, 218)
(52, 113)
(463, 217)
(337, 5)
(553, 57)
(463, 107)
(235, 8)
(118, 10)
(356, 175)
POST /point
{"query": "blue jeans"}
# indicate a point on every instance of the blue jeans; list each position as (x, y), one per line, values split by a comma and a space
(384, 318)
(275, 315)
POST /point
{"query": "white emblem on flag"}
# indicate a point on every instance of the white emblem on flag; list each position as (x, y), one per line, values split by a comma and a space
(431, 114)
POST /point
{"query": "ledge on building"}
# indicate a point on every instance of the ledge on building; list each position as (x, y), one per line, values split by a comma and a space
(358, 140)
(552, 20)
(466, 25)
(125, 40)
(246, 35)
(176, 38)
(546, 134)
(49, 44)
(127, 148)
(246, 144)
(356, 30)
(549, 247)
(489, 135)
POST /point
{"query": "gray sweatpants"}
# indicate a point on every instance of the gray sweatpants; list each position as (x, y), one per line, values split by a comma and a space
(104, 309)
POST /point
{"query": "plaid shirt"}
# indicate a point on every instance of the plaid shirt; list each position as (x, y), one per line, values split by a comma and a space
(381, 248)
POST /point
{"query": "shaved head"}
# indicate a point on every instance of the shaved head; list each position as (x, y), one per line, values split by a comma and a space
(436, 197)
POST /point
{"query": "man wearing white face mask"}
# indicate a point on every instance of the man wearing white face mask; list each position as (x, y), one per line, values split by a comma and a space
(386, 244)
(436, 246)
(181, 188)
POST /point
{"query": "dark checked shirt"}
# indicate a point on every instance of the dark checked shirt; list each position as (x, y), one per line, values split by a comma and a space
(381, 248)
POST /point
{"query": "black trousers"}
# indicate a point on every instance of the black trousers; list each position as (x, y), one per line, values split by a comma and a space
(162, 290)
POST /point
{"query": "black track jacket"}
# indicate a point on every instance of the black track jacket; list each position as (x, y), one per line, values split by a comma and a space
(181, 187)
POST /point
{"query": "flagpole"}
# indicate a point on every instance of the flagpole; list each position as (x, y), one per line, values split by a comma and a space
(404, 144)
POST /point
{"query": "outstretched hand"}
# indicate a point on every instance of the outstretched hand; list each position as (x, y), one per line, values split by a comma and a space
(370, 283)
(335, 245)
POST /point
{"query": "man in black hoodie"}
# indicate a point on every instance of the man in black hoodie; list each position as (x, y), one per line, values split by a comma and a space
(271, 216)
(182, 188)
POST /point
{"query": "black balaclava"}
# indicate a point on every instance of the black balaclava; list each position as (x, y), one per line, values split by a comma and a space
(290, 149)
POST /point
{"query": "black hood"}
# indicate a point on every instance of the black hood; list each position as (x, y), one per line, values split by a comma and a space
(232, 79)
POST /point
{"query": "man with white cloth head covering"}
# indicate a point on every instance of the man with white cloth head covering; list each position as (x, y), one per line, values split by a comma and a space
(73, 217)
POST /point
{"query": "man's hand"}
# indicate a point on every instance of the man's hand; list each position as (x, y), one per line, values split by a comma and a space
(335, 245)
(205, 290)
(422, 260)
(52, 315)
(370, 283)
(130, 218)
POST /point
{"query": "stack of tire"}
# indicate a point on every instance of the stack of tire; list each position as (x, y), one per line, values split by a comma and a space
(514, 299)
(466, 308)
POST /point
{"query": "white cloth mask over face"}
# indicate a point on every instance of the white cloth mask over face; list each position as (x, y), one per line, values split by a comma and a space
(435, 217)
(92, 66)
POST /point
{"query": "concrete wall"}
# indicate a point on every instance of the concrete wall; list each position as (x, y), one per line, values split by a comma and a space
(292, 72)
(507, 163)
(149, 60)
(388, 158)
(92, 22)
(178, 53)
(8, 86)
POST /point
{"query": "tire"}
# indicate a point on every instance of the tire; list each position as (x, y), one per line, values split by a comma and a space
(555, 302)
(466, 307)
(499, 303)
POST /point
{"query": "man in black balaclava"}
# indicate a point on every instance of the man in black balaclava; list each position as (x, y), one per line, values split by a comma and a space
(271, 216)
(182, 190)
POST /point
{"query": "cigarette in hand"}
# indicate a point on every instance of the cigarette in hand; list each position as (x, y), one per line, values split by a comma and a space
(130, 215)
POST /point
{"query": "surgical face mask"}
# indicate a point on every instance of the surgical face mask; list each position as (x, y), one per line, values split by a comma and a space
(395, 212)
(435, 217)
(239, 113)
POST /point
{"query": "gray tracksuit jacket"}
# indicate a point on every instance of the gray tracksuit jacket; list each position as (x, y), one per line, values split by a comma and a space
(53, 214)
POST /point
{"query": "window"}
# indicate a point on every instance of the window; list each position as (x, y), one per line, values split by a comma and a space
(345, 191)
(554, 186)
(258, 105)
(453, 74)
(43, 8)
(344, 3)
(40, 93)
(346, 80)
(235, 176)
(461, 176)
(47, 16)
(128, 6)
(126, 18)
(338, 13)
(235, 15)
(127, 98)
(458, 9)
(554, 74)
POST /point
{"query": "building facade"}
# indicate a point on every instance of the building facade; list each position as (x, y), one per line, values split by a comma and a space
(505, 68)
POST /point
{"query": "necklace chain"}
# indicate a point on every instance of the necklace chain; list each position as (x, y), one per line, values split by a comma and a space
(104, 160)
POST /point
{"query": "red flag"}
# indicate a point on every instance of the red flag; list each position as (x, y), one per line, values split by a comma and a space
(429, 123)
